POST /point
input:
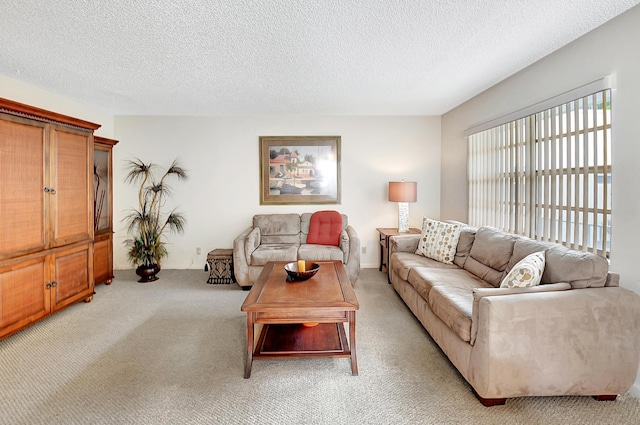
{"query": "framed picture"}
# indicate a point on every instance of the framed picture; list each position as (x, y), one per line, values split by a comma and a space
(299, 170)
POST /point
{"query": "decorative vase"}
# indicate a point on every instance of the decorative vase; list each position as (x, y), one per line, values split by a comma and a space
(148, 273)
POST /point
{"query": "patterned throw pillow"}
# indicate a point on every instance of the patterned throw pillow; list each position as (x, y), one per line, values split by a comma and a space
(527, 272)
(439, 240)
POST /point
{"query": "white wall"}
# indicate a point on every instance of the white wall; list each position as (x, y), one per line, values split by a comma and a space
(222, 194)
(610, 49)
(221, 154)
(33, 96)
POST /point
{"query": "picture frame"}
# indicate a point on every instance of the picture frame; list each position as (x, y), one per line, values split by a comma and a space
(299, 170)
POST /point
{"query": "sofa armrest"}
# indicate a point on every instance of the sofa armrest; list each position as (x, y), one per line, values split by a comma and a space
(404, 243)
(479, 293)
(344, 245)
(252, 242)
(352, 257)
(350, 244)
(613, 279)
(240, 261)
(570, 342)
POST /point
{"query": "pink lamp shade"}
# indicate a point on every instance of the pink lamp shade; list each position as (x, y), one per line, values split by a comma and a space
(403, 191)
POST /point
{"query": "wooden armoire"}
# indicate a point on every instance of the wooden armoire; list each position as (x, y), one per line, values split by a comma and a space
(46, 213)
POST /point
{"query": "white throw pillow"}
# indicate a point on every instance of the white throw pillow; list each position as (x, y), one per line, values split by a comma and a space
(439, 240)
(527, 272)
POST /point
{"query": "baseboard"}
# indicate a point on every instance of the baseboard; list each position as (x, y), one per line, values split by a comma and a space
(635, 389)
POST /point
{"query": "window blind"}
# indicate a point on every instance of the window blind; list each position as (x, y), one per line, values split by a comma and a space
(547, 175)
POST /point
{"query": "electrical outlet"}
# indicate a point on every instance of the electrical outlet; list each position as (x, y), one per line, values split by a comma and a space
(198, 251)
(364, 249)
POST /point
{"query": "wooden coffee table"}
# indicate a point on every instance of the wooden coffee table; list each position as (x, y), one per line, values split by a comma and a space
(284, 307)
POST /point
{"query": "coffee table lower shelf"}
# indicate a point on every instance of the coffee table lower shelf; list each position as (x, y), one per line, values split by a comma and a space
(299, 341)
(280, 307)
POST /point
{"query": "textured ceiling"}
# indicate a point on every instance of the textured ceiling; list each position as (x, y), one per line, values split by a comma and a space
(229, 57)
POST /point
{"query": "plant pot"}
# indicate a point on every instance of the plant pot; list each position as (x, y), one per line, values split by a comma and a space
(148, 273)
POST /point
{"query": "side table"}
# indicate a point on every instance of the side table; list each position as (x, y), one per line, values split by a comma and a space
(220, 263)
(385, 234)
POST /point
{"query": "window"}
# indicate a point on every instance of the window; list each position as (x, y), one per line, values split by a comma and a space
(547, 175)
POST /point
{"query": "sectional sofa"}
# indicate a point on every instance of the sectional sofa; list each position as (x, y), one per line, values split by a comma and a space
(576, 333)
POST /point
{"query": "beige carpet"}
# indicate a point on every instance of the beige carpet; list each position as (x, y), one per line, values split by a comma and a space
(172, 352)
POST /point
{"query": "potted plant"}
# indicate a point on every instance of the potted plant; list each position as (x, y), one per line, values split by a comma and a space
(146, 224)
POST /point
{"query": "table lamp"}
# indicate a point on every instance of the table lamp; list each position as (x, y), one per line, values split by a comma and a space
(403, 193)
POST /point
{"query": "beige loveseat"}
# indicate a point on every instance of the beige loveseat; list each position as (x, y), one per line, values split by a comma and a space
(577, 333)
(283, 237)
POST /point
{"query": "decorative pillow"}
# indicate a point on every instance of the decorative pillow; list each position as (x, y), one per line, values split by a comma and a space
(527, 272)
(325, 228)
(439, 240)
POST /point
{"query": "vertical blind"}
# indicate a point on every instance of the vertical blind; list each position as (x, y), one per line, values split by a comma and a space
(547, 175)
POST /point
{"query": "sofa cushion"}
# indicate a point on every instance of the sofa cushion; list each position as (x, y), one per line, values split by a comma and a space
(490, 254)
(523, 247)
(454, 307)
(439, 240)
(305, 220)
(325, 228)
(404, 262)
(465, 242)
(579, 268)
(423, 279)
(527, 272)
(320, 253)
(278, 228)
(274, 252)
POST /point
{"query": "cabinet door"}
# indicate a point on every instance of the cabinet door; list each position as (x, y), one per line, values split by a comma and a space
(71, 178)
(73, 277)
(103, 209)
(102, 259)
(23, 295)
(102, 187)
(22, 176)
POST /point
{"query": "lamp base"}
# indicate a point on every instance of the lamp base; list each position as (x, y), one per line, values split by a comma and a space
(403, 217)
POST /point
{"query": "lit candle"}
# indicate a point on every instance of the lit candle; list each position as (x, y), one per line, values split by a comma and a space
(301, 265)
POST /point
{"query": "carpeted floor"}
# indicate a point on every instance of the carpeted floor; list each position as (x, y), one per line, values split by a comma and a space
(172, 352)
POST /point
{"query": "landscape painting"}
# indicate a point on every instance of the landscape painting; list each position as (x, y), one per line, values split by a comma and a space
(299, 170)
